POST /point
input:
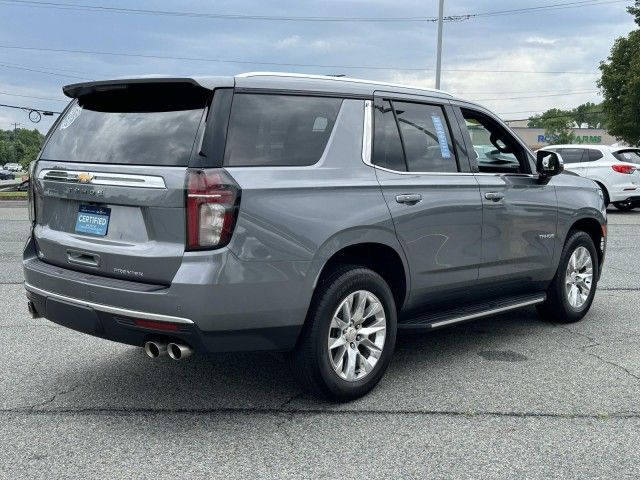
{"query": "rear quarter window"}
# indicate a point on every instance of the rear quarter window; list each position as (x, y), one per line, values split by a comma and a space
(279, 130)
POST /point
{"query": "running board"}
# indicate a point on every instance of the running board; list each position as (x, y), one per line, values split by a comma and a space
(459, 315)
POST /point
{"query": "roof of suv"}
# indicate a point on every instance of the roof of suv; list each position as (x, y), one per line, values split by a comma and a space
(606, 148)
(270, 80)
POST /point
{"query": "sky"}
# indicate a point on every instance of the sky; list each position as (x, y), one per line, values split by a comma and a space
(483, 58)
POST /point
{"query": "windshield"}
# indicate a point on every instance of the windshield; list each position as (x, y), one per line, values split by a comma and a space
(147, 124)
(632, 156)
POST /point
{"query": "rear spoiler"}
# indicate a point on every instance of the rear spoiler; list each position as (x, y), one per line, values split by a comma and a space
(76, 90)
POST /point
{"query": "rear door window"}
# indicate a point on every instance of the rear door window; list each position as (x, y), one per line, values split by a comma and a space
(425, 137)
(279, 130)
(412, 137)
(571, 155)
(387, 146)
(142, 124)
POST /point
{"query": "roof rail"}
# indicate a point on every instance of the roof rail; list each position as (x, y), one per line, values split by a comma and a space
(337, 79)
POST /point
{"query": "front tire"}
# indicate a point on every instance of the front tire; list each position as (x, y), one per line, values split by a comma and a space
(349, 335)
(573, 288)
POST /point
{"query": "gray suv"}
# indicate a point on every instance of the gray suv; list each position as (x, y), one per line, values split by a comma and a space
(312, 215)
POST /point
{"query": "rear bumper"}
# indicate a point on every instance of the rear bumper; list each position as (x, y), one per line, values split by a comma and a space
(217, 305)
(633, 199)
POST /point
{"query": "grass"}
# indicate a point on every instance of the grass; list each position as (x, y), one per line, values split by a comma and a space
(13, 195)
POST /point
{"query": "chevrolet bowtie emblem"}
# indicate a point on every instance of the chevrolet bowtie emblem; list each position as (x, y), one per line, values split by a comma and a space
(85, 177)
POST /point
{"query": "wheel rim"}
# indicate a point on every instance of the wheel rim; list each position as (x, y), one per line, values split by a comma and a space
(357, 335)
(579, 277)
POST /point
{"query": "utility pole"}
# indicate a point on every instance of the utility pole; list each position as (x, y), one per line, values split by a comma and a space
(439, 52)
(15, 141)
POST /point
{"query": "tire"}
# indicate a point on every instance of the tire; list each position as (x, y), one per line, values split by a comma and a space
(559, 307)
(624, 206)
(605, 195)
(311, 361)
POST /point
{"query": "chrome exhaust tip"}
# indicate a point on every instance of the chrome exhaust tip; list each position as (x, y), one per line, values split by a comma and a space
(32, 310)
(177, 351)
(155, 349)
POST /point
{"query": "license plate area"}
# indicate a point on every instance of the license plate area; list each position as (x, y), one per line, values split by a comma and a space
(93, 220)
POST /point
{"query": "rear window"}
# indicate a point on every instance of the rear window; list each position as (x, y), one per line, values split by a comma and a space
(279, 130)
(631, 156)
(142, 124)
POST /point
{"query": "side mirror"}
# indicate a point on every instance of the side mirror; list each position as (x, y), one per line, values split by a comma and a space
(549, 163)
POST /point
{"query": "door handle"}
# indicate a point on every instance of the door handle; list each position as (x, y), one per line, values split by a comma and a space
(83, 258)
(494, 196)
(409, 198)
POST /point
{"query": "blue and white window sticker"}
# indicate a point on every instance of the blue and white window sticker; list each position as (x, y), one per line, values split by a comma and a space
(442, 136)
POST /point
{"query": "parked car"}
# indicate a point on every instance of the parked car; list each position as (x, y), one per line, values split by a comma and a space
(13, 167)
(6, 175)
(615, 169)
(306, 214)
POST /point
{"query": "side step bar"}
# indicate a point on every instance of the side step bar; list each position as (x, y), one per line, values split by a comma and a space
(459, 315)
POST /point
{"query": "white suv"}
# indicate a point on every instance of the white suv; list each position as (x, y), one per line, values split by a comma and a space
(615, 169)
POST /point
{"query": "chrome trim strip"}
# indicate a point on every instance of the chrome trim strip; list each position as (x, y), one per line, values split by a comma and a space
(109, 309)
(104, 178)
(486, 313)
(367, 132)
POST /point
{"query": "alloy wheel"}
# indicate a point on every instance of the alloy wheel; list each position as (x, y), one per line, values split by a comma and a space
(579, 277)
(357, 335)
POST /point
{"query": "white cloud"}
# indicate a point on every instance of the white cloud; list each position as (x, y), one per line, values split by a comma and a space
(323, 45)
(541, 41)
(288, 42)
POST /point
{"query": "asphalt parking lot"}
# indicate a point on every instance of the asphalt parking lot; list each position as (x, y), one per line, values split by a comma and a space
(507, 397)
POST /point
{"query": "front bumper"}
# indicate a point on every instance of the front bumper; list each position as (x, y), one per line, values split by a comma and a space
(234, 314)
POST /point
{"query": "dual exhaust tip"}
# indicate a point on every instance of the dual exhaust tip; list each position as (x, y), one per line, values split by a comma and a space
(177, 351)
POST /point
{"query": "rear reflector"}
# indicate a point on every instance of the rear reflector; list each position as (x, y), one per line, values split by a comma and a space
(156, 325)
(624, 168)
(211, 207)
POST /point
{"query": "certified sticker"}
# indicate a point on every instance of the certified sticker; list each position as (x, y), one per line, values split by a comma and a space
(442, 136)
(71, 116)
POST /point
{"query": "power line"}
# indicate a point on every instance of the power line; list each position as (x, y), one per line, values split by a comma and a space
(221, 16)
(31, 96)
(537, 96)
(556, 6)
(30, 109)
(18, 67)
(284, 18)
(282, 64)
(565, 115)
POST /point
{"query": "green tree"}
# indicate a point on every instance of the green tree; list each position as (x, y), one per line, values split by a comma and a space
(620, 85)
(589, 114)
(21, 146)
(557, 124)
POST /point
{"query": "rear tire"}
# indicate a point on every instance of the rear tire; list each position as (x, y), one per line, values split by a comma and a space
(573, 288)
(332, 359)
(624, 206)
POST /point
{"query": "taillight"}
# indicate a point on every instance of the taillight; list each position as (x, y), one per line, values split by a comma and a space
(212, 207)
(31, 192)
(624, 168)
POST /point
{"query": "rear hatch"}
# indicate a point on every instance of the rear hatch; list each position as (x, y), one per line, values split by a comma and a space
(110, 181)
